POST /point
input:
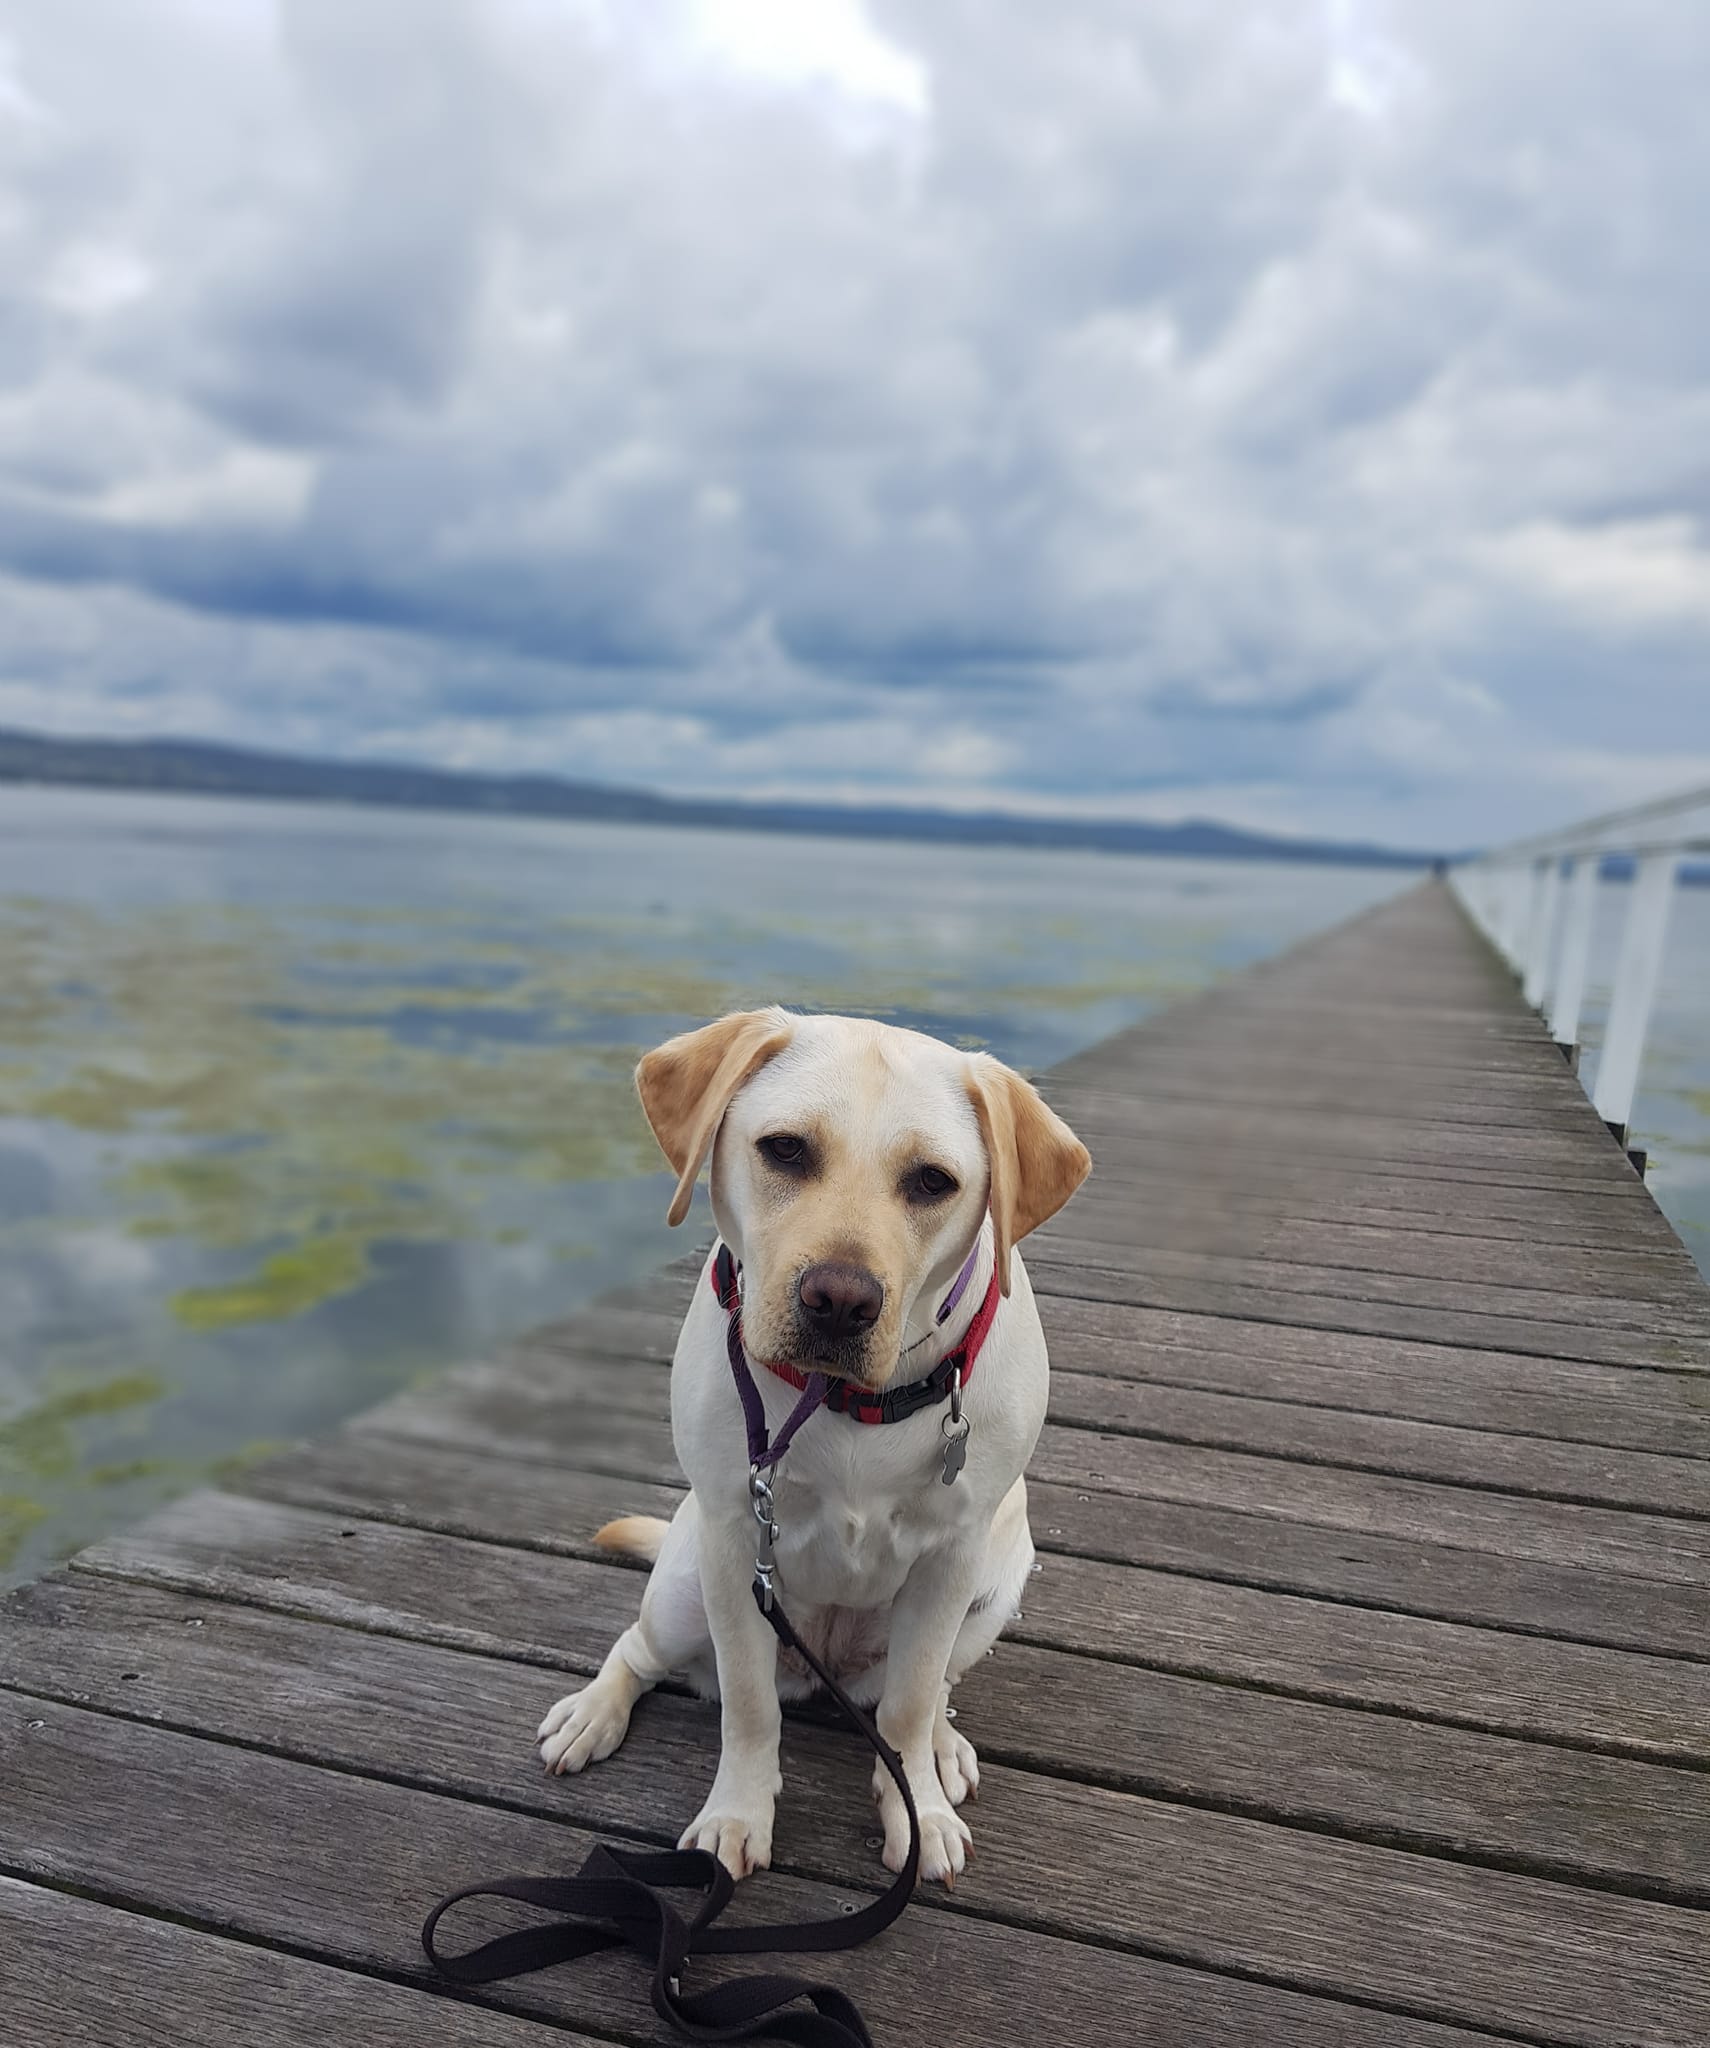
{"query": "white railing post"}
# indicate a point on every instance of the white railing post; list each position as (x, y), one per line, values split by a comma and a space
(1477, 890)
(1516, 903)
(1576, 949)
(1636, 977)
(1540, 941)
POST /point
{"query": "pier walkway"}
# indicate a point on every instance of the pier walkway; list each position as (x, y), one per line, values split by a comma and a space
(1362, 1701)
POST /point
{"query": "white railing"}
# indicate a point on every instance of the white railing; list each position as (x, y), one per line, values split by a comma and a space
(1536, 901)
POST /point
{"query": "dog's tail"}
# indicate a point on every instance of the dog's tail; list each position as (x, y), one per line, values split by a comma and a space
(633, 1536)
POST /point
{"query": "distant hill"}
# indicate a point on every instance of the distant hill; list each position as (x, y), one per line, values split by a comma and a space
(190, 767)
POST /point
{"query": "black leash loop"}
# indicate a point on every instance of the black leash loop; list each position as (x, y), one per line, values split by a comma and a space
(616, 1898)
(615, 1901)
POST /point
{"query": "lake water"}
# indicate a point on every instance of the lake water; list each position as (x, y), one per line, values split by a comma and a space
(300, 1104)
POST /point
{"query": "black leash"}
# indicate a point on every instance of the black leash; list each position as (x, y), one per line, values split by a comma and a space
(615, 1901)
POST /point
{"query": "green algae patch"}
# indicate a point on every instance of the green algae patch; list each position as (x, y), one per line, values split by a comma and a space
(286, 1284)
(129, 1470)
(18, 1517)
(112, 1099)
(40, 1441)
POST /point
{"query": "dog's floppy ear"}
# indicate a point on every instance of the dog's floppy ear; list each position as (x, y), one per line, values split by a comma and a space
(1036, 1161)
(686, 1085)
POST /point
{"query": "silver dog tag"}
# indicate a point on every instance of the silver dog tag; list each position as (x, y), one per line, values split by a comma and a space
(955, 1455)
(956, 1432)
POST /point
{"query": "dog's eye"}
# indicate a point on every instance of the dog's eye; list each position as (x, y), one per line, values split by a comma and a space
(783, 1149)
(930, 1184)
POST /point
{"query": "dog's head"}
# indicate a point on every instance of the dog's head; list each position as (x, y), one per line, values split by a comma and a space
(852, 1166)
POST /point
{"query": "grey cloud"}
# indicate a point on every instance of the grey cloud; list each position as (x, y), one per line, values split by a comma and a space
(1179, 396)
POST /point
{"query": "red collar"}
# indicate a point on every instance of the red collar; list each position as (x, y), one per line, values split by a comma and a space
(897, 1403)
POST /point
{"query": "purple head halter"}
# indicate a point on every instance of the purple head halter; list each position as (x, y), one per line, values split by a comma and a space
(764, 1449)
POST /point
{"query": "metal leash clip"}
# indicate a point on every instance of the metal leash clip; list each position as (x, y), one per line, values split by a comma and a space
(765, 1559)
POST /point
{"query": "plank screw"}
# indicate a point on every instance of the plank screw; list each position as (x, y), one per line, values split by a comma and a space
(1082, 1496)
(949, 1713)
(1035, 1570)
(875, 1841)
(1053, 1532)
(35, 1724)
(846, 1905)
(195, 1621)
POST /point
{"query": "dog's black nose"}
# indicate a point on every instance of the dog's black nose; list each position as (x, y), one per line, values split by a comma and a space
(840, 1300)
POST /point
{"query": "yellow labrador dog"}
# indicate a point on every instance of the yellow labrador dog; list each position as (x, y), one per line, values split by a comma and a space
(870, 1185)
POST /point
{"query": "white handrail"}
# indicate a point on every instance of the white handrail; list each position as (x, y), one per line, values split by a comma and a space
(1681, 822)
(1536, 902)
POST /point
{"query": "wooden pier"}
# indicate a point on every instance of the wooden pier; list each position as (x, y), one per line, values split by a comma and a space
(1363, 1700)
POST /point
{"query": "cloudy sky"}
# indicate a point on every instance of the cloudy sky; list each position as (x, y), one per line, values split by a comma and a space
(1290, 411)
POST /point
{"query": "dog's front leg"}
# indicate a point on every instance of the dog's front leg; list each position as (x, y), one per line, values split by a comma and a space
(925, 1619)
(736, 1822)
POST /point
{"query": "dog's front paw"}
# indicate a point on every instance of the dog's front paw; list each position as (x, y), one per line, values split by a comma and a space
(583, 1728)
(735, 1825)
(945, 1840)
(958, 1763)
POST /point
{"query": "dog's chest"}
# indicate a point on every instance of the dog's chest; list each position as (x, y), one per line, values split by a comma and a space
(847, 1549)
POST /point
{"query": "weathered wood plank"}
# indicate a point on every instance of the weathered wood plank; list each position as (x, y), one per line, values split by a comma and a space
(1503, 1391)
(632, 1334)
(1296, 997)
(1642, 1546)
(528, 1389)
(1571, 1603)
(1663, 1274)
(1642, 1481)
(448, 1722)
(86, 1793)
(1210, 1289)
(1215, 1156)
(456, 1492)
(500, 1601)
(1114, 1332)
(633, 1441)
(1211, 1028)
(1329, 1138)
(1248, 1166)
(1243, 1054)
(548, 1420)
(77, 1974)
(1100, 1273)
(1158, 1058)
(1618, 1217)
(459, 1493)
(1209, 1091)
